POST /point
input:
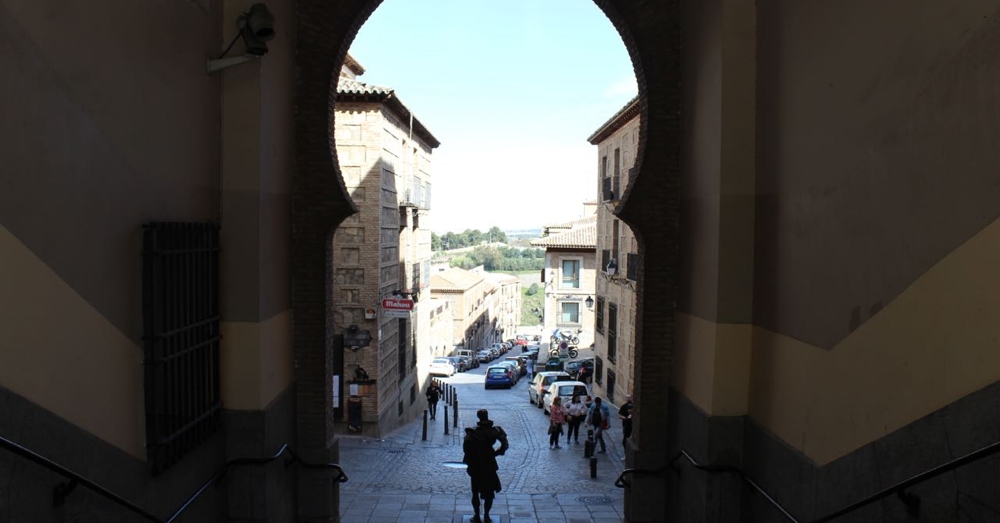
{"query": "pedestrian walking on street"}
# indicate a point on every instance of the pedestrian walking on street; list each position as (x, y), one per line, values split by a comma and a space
(576, 412)
(480, 458)
(584, 376)
(598, 420)
(433, 395)
(625, 414)
(557, 416)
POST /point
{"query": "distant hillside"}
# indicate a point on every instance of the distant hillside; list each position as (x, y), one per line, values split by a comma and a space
(523, 233)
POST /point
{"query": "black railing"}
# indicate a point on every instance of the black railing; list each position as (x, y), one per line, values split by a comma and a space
(62, 490)
(911, 501)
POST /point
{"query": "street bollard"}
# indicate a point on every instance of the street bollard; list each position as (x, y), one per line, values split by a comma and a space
(456, 413)
(593, 467)
(588, 446)
(445, 420)
(425, 426)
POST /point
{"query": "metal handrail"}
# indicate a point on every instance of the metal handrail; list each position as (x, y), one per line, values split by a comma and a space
(64, 489)
(912, 502)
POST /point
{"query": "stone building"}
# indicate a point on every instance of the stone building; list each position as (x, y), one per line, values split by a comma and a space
(383, 251)
(468, 293)
(505, 313)
(615, 304)
(814, 194)
(441, 337)
(570, 273)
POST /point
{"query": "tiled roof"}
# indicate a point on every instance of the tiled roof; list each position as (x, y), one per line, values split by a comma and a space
(454, 279)
(574, 223)
(631, 110)
(499, 277)
(349, 86)
(584, 237)
(352, 90)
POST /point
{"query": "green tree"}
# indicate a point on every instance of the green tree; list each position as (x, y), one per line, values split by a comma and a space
(435, 242)
(532, 290)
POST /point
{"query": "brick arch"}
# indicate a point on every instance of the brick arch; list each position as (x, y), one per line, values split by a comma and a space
(650, 204)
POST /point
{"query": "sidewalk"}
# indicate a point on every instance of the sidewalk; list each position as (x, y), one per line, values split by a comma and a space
(400, 478)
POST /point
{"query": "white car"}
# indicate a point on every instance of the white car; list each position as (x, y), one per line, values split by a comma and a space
(565, 390)
(541, 382)
(442, 367)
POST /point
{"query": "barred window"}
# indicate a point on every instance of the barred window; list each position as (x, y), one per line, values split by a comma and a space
(181, 335)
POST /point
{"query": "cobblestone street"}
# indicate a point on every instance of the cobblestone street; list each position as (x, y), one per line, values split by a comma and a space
(402, 478)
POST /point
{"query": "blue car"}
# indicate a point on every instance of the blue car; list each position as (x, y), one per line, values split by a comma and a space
(499, 376)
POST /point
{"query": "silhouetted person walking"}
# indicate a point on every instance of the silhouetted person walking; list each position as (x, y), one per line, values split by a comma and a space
(625, 414)
(433, 395)
(480, 457)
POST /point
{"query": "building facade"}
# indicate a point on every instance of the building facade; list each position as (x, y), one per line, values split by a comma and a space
(505, 315)
(615, 305)
(569, 277)
(383, 251)
(469, 295)
(815, 202)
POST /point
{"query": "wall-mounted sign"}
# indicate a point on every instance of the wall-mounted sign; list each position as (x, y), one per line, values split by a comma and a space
(355, 338)
(397, 307)
(369, 313)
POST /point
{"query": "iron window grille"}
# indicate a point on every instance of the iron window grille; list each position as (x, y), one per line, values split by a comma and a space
(612, 332)
(181, 337)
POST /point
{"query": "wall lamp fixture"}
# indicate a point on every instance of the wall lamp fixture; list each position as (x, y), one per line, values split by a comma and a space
(611, 274)
(255, 27)
(589, 302)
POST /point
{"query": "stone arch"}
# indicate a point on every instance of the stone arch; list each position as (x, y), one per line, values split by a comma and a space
(650, 205)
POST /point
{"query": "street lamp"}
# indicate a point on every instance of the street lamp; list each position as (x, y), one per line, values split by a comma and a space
(589, 302)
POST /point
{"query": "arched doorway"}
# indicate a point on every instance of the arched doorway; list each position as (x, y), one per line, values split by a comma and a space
(650, 205)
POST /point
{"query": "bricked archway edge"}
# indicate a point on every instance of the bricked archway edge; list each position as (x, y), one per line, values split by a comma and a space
(324, 32)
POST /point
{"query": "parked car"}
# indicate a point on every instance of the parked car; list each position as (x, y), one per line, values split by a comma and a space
(521, 362)
(565, 390)
(473, 357)
(522, 339)
(500, 347)
(499, 376)
(466, 362)
(573, 367)
(460, 366)
(514, 369)
(540, 383)
(530, 351)
(485, 355)
(442, 367)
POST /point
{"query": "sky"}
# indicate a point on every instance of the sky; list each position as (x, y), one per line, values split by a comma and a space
(511, 89)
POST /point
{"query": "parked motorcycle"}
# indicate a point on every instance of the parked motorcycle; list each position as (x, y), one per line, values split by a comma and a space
(558, 347)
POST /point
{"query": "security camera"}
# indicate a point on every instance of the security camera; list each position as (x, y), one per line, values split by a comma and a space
(257, 27)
